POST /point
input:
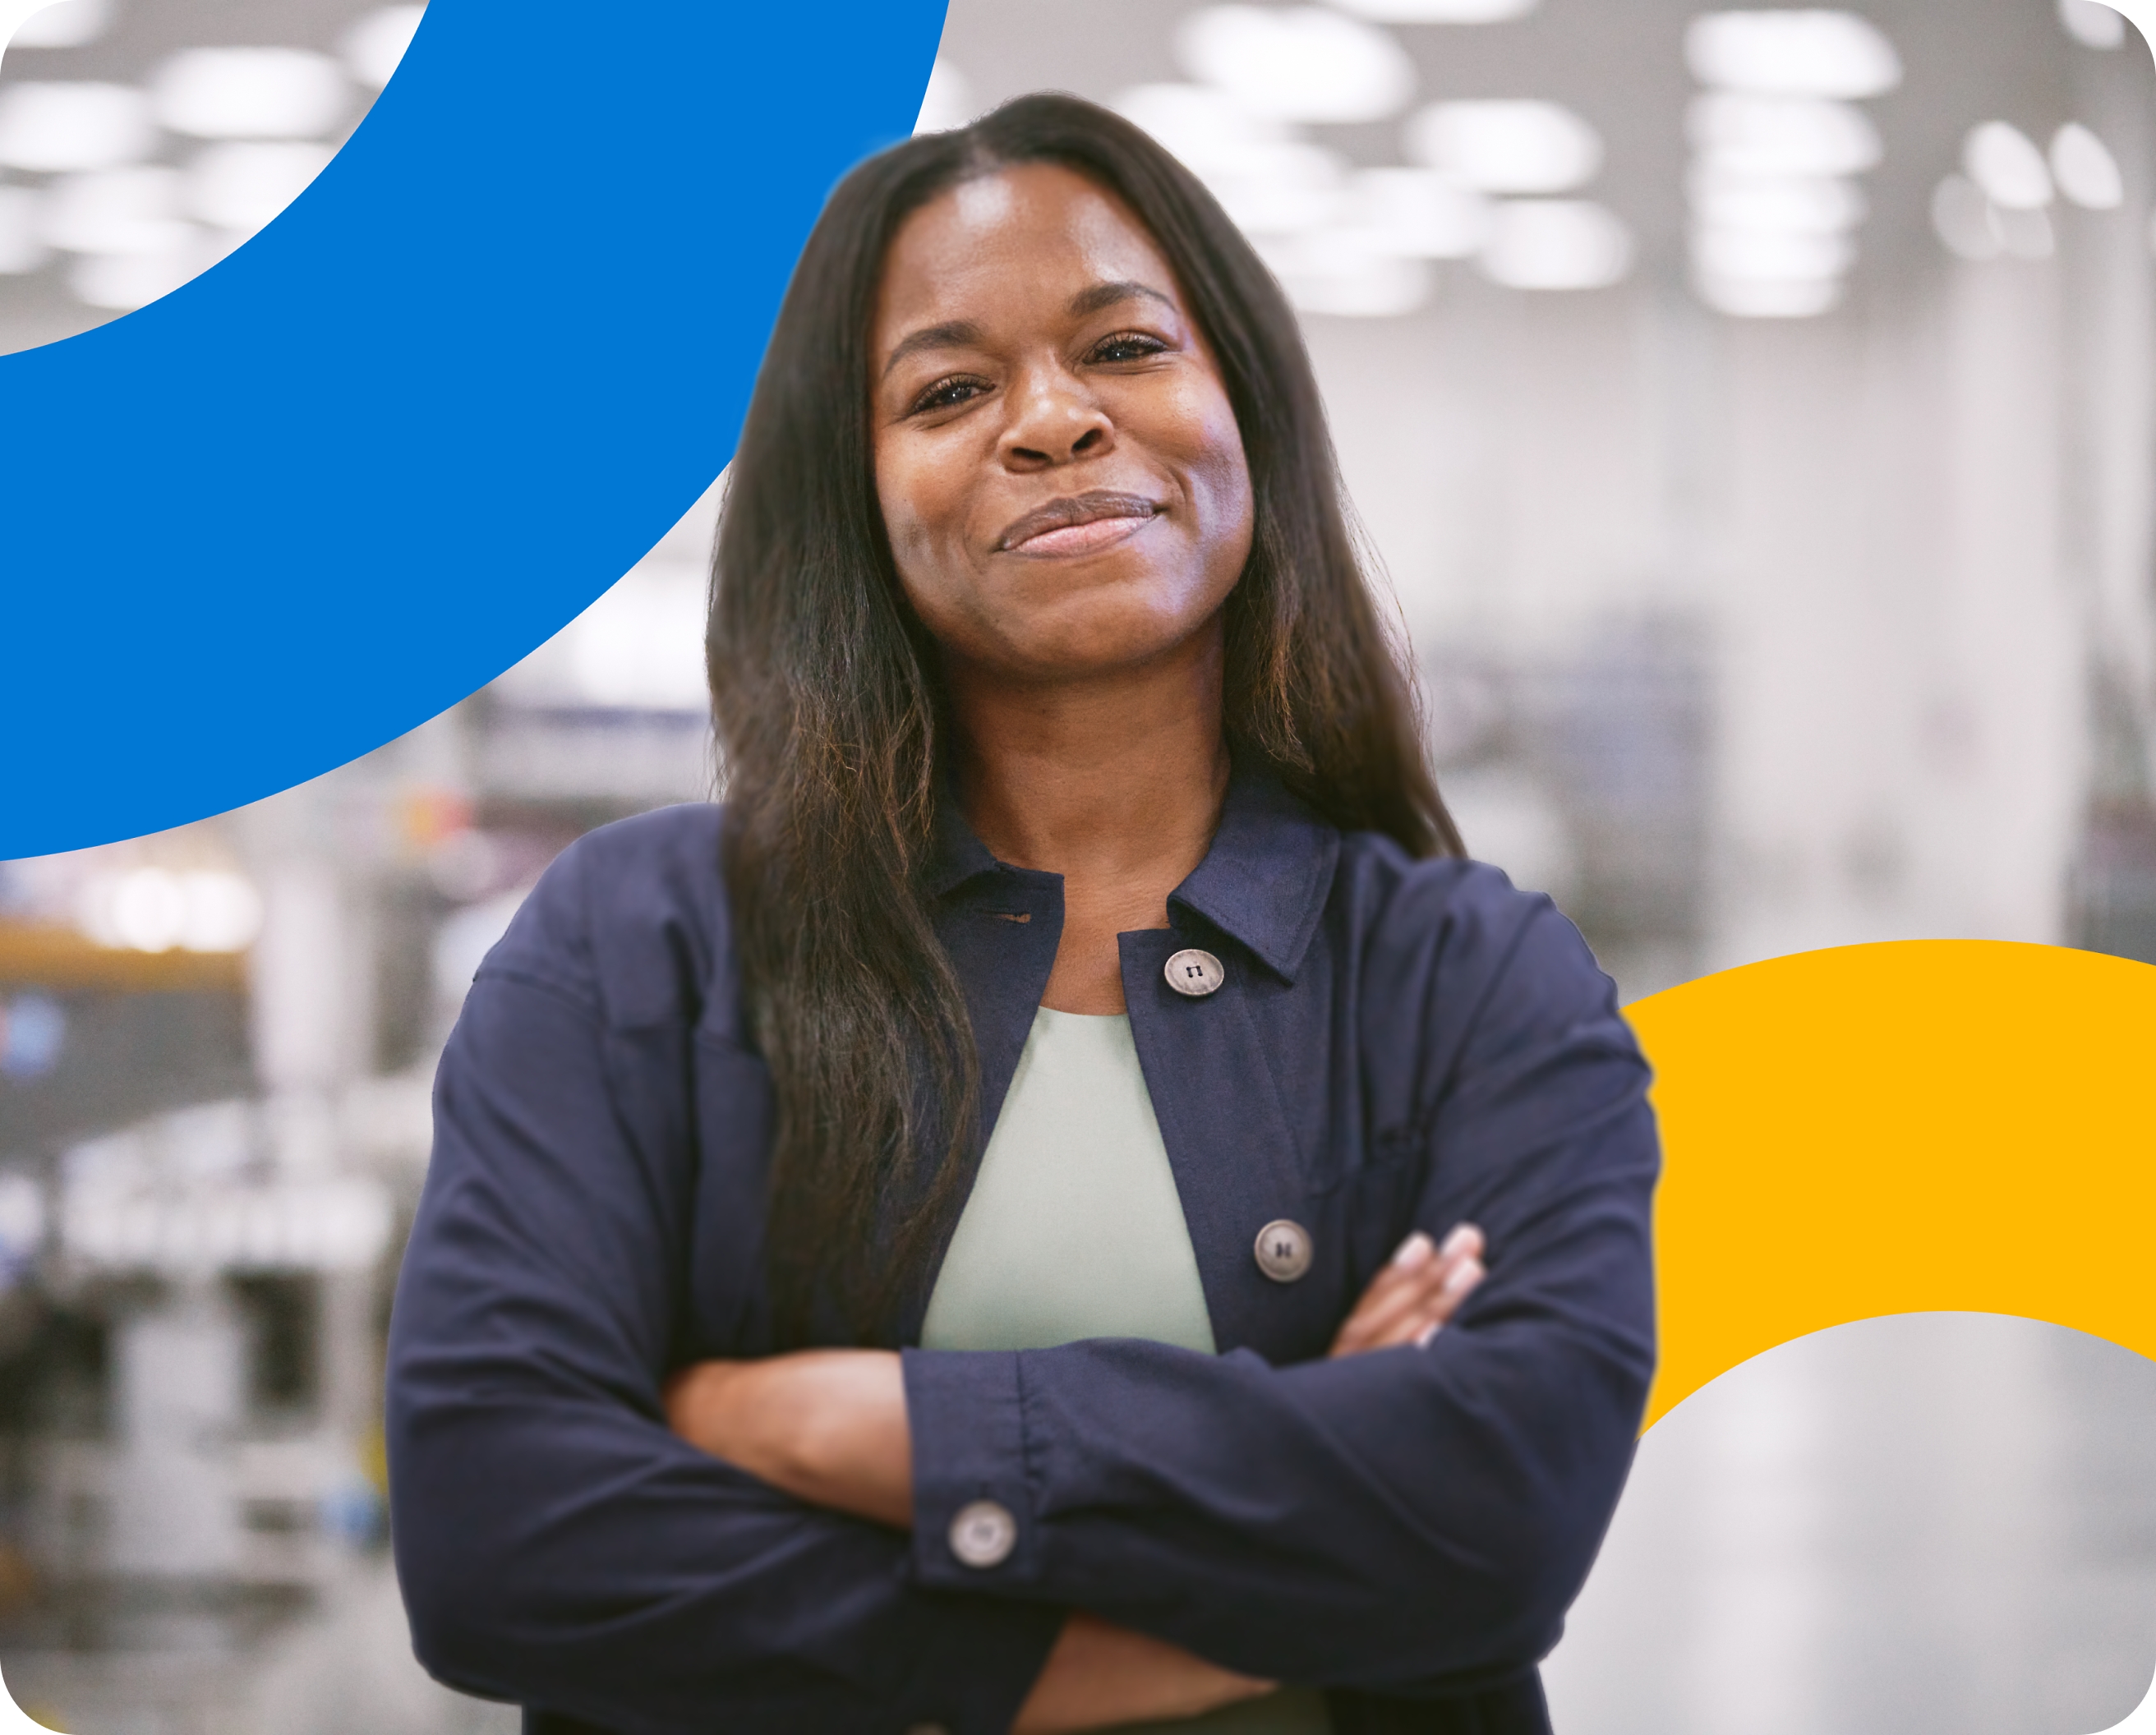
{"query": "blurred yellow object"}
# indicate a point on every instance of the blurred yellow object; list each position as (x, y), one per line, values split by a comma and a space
(57, 957)
(1957, 1125)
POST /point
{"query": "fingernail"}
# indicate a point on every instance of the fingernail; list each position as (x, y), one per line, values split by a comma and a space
(1464, 1234)
(1413, 1253)
(1463, 1277)
(1429, 1332)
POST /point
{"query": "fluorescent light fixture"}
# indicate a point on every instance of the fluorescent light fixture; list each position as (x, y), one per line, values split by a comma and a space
(52, 128)
(1269, 182)
(250, 93)
(1279, 188)
(1338, 272)
(2092, 24)
(2087, 171)
(2025, 234)
(1730, 255)
(1782, 136)
(223, 912)
(1513, 147)
(1557, 245)
(1810, 205)
(1417, 213)
(22, 247)
(1765, 298)
(1439, 12)
(1203, 127)
(1792, 53)
(372, 47)
(124, 281)
(131, 210)
(1962, 218)
(948, 102)
(68, 24)
(1300, 63)
(242, 185)
(2003, 161)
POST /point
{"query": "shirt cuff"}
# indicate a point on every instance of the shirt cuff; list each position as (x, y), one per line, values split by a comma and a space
(969, 1677)
(974, 1526)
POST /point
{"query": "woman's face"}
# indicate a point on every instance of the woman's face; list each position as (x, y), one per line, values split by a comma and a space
(1059, 469)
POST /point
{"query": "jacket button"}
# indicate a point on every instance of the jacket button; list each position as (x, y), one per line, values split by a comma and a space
(1283, 1250)
(1195, 973)
(984, 1533)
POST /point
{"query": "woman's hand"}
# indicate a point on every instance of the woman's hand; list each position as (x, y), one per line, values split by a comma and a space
(826, 1425)
(1419, 1289)
(1099, 1674)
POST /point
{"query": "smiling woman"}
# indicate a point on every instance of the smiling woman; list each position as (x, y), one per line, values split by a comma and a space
(1066, 1203)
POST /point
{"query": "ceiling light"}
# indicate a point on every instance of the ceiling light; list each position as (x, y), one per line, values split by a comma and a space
(372, 47)
(52, 127)
(1298, 63)
(132, 210)
(1765, 298)
(1777, 135)
(2087, 172)
(1417, 213)
(947, 104)
(223, 912)
(2003, 161)
(1557, 245)
(2025, 234)
(1962, 217)
(2092, 24)
(1807, 205)
(1200, 126)
(1338, 272)
(68, 24)
(252, 93)
(148, 908)
(1440, 12)
(21, 247)
(1506, 146)
(1792, 53)
(1730, 255)
(242, 187)
(124, 281)
(1278, 188)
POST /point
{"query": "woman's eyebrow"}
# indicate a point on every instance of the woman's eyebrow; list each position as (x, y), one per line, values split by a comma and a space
(954, 335)
(1106, 294)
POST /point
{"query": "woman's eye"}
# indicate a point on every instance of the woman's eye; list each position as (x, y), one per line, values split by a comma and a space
(947, 394)
(1127, 347)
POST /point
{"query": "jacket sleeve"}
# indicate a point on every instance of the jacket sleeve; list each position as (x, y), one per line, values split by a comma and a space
(557, 1546)
(1407, 1523)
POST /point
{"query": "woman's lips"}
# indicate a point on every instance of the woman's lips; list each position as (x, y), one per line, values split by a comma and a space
(1081, 538)
(1078, 525)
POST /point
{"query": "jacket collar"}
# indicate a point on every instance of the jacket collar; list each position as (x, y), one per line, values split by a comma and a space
(1264, 882)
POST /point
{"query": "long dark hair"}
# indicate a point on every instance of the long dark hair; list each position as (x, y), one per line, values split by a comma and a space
(835, 734)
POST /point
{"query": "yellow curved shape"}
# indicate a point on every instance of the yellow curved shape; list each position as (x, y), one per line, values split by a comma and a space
(1924, 1125)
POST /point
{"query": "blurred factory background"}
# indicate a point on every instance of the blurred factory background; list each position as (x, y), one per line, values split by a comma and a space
(1754, 412)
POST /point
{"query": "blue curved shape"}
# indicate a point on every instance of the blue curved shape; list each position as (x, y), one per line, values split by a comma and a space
(419, 423)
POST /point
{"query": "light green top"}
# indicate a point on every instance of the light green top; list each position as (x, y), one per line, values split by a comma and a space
(1075, 1230)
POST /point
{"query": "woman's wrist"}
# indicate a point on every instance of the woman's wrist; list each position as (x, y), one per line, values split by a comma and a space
(826, 1426)
(1099, 1674)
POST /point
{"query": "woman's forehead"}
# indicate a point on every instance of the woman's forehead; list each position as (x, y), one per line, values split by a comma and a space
(1010, 237)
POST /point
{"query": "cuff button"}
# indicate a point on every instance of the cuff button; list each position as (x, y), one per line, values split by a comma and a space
(984, 1533)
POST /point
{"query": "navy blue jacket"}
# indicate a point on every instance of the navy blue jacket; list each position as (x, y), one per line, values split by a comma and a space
(1398, 1044)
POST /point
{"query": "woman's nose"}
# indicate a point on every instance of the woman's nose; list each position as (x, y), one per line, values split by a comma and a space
(1057, 421)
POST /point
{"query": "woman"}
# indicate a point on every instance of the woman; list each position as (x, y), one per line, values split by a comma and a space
(959, 1240)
